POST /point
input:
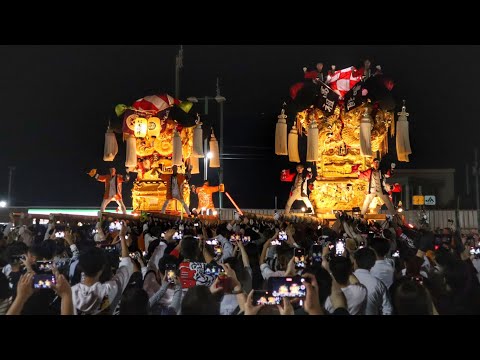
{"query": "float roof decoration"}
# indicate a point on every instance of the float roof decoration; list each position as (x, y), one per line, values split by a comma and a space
(343, 80)
(155, 103)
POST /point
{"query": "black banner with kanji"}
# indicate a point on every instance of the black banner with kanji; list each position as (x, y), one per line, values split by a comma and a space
(327, 99)
(353, 98)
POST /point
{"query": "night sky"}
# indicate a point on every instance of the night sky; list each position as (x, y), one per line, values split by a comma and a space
(56, 102)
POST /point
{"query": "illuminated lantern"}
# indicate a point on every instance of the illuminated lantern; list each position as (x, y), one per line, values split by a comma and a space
(281, 135)
(153, 127)
(198, 141)
(312, 142)
(177, 149)
(131, 156)
(111, 147)
(141, 127)
(293, 145)
(403, 139)
(366, 134)
(194, 162)
(215, 153)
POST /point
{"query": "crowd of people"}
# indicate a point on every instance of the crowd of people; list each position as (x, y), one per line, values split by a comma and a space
(248, 266)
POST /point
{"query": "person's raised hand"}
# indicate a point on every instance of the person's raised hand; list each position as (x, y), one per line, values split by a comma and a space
(251, 309)
(337, 297)
(312, 302)
(229, 271)
(326, 249)
(27, 264)
(290, 267)
(68, 236)
(286, 307)
(123, 230)
(215, 288)
(62, 287)
(139, 258)
(25, 286)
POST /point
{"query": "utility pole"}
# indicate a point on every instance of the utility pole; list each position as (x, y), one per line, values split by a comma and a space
(178, 66)
(205, 146)
(466, 179)
(220, 170)
(475, 171)
(10, 185)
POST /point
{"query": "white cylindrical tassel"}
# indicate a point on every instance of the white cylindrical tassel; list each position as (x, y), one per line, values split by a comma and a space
(194, 162)
(177, 149)
(131, 158)
(312, 142)
(215, 153)
(403, 137)
(198, 141)
(293, 145)
(110, 149)
(366, 134)
(281, 135)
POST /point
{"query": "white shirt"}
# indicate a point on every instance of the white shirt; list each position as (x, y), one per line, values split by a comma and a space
(297, 185)
(378, 302)
(356, 296)
(99, 297)
(113, 187)
(384, 271)
(7, 269)
(376, 186)
(228, 304)
(476, 264)
(175, 188)
(267, 272)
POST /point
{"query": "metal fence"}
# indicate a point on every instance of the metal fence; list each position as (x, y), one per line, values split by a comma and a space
(436, 218)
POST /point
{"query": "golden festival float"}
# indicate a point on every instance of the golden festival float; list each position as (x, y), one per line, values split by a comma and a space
(348, 117)
(159, 132)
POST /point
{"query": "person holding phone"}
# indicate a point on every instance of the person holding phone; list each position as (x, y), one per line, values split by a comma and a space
(91, 296)
(356, 294)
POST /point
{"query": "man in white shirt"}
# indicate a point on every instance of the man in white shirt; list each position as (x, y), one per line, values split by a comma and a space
(376, 186)
(299, 189)
(383, 269)
(92, 297)
(175, 182)
(356, 294)
(378, 302)
(113, 187)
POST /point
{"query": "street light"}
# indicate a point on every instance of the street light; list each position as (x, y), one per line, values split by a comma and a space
(208, 156)
(220, 100)
(3, 204)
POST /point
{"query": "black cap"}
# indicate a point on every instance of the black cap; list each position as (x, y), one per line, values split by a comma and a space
(376, 159)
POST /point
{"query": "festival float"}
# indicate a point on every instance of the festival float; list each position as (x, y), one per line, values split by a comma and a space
(348, 117)
(159, 132)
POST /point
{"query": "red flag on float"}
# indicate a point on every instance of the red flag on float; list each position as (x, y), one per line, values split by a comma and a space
(397, 188)
(355, 168)
(343, 80)
(287, 176)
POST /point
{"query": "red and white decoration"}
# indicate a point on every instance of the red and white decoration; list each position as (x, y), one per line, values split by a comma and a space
(155, 103)
(343, 80)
